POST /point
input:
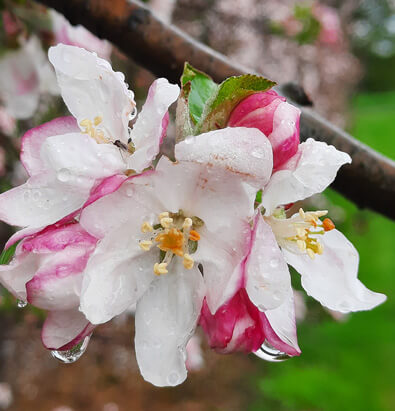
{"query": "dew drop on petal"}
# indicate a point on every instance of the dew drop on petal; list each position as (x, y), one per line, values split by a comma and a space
(21, 303)
(173, 378)
(274, 263)
(63, 175)
(72, 355)
(268, 353)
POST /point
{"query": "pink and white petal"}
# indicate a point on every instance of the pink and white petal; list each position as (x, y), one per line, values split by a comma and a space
(41, 201)
(57, 238)
(267, 278)
(105, 187)
(116, 276)
(315, 168)
(222, 256)
(245, 153)
(90, 89)
(209, 193)
(331, 278)
(34, 138)
(78, 160)
(15, 275)
(166, 317)
(279, 326)
(149, 130)
(62, 330)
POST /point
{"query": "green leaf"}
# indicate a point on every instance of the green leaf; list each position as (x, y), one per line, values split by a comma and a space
(7, 254)
(229, 94)
(198, 87)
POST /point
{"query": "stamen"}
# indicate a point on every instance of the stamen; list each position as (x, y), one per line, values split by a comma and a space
(328, 224)
(166, 222)
(145, 245)
(97, 120)
(194, 235)
(188, 262)
(163, 215)
(301, 245)
(146, 227)
(310, 253)
(187, 223)
(301, 213)
(160, 268)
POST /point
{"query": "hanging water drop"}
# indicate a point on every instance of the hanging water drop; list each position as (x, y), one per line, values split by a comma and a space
(63, 175)
(21, 303)
(72, 355)
(268, 353)
(133, 114)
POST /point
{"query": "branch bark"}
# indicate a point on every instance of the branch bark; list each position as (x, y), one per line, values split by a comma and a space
(161, 48)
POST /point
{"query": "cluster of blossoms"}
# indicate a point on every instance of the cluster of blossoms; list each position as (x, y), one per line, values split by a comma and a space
(203, 240)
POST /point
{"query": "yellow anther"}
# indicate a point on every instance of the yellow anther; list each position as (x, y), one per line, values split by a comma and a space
(301, 213)
(310, 253)
(85, 123)
(146, 227)
(166, 222)
(145, 245)
(187, 223)
(301, 245)
(97, 120)
(163, 215)
(160, 268)
(320, 248)
(188, 262)
(194, 235)
(321, 213)
(301, 233)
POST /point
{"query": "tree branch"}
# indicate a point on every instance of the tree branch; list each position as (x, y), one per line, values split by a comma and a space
(369, 181)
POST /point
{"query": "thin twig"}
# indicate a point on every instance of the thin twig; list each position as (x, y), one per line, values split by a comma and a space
(161, 48)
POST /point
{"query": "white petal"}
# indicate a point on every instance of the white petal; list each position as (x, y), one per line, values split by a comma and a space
(331, 278)
(41, 201)
(282, 322)
(90, 88)
(63, 328)
(148, 132)
(210, 193)
(310, 171)
(117, 274)
(267, 275)
(222, 256)
(166, 317)
(244, 152)
(79, 160)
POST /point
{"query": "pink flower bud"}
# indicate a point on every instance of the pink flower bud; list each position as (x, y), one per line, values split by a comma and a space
(277, 119)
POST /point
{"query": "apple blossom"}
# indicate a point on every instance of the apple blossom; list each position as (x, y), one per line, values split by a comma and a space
(325, 259)
(68, 157)
(78, 36)
(155, 231)
(25, 74)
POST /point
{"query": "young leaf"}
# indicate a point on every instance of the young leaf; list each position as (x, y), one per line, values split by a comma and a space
(229, 94)
(7, 254)
(201, 88)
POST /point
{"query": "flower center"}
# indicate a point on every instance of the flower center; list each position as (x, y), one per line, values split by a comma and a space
(92, 130)
(307, 227)
(174, 235)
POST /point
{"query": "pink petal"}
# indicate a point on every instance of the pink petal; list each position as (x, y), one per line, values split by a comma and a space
(105, 187)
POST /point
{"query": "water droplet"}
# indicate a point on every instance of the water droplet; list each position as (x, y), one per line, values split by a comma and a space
(173, 378)
(129, 192)
(257, 153)
(36, 195)
(133, 114)
(63, 175)
(189, 140)
(274, 262)
(268, 353)
(72, 355)
(21, 303)
(26, 195)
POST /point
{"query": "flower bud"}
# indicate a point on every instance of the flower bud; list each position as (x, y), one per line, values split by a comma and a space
(277, 119)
